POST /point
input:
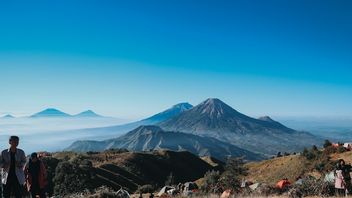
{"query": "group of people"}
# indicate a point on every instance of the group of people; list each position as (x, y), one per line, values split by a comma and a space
(18, 174)
(343, 184)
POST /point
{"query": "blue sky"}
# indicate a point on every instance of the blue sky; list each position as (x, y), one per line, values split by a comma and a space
(134, 58)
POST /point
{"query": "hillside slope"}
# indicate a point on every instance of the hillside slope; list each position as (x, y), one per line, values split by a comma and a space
(291, 167)
(133, 169)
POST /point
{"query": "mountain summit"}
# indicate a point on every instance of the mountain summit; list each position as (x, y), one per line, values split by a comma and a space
(88, 113)
(216, 119)
(8, 116)
(169, 113)
(50, 112)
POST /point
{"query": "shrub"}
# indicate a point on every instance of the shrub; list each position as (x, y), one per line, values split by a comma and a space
(341, 149)
(234, 172)
(211, 182)
(73, 176)
(330, 150)
(311, 187)
(50, 164)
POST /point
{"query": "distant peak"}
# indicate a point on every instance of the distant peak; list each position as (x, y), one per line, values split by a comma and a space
(183, 105)
(88, 113)
(171, 112)
(8, 116)
(51, 109)
(51, 112)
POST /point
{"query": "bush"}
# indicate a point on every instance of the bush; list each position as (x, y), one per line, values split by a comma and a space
(211, 182)
(330, 150)
(341, 149)
(73, 176)
(233, 174)
(50, 164)
(311, 187)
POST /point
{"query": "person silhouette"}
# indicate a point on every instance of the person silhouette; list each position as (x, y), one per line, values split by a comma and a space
(12, 161)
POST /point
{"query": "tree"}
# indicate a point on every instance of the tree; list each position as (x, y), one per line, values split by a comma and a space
(233, 174)
(73, 176)
(211, 181)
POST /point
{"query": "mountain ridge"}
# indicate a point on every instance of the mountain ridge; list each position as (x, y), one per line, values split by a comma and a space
(151, 137)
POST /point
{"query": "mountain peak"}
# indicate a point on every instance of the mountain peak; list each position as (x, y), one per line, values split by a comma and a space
(8, 116)
(215, 107)
(182, 106)
(213, 100)
(88, 113)
(169, 113)
(50, 112)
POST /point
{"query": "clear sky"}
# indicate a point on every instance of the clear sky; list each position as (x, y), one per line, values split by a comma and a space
(134, 58)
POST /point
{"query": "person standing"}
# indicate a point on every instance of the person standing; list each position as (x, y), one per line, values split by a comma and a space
(346, 170)
(12, 161)
(340, 186)
(36, 175)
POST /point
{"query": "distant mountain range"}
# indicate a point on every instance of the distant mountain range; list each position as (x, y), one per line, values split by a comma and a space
(146, 138)
(209, 121)
(55, 113)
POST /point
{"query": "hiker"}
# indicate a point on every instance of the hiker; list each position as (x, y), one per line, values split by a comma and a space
(35, 176)
(346, 170)
(340, 186)
(12, 161)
